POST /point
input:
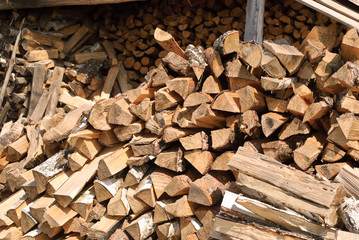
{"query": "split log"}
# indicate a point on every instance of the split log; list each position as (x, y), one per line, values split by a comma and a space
(119, 113)
(251, 99)
(179, 185)
(181, 207)
(201, 160)
(271, 122)
(135, 174)
(39, 207)
(107, 188)
(99, 112)
(294, 128)
(287, 54)
(276, 105)
(214, 61)
(171, 159)
(100, 229)
(118, 205)
(227, 101)
(196, 141)
(330, 170)
(168, 43)
(206, 191)
(270, 84)
(84, 202)
(57, 216)
(227, 43)
(211, 85)
(145, 192)
(348, 48)
(137, 206)
(182, 86)
(196, 99)
(142, 227)
(27, 220)
(144, 110)
(328, 197)
(271, 65)
(160, 179)
(166, 99)
(225, 138)
(305, 155)
(147, 144)
(125, 133)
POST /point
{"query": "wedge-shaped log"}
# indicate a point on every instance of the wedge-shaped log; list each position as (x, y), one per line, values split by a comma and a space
(227, 43)
(227, 101)
(206, 191)
(171, 159)
(271, 122)
(201, 160)
(119, 113)
(118, 205)
(271, 65)
(196, 141)
(287, 54)
(142, 227)
(181, 207)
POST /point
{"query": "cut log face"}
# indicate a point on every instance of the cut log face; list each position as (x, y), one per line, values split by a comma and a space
(166, 99)
(349, 48)
(330, 170)
(287, 54)
(137, 230)
(179, 185)
(251, 99)
(158, 76)
(347, 76)
(160, 214)
(349, 124)
(294, 128)
(125, 133)
(214, 61)
(196, 99)
(348, 103)
(227, 43)
(211, 85)
(98, 114)
(182, 86)
(224, 138)
(206, 191)
(181, 208)
(276, 105)
(143, 110)
(270, 84)
(205, 117)
(227, 101)
(271, 122)
(201, 160)
(332, 153)
(168, 43)
(196, 141)
(119, 113)
(305, 155)
(177, 64)
(171, 159)
(251, 53)
(118, 205)
(271, 65)
(316, 111)
(297, 105)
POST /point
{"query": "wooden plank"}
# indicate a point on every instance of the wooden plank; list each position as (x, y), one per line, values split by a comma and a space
(17, 4)
(254, 21)
(341, 8)
(331, 13)
(36, 86)
(54, 90)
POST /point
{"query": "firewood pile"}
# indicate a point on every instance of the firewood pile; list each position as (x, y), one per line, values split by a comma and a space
(230, 141)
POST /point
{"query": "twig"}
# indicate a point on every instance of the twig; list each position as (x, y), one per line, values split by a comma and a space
(11, 64)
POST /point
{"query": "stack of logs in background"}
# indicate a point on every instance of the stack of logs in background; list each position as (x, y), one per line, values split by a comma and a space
(129, 29)
(112, 130)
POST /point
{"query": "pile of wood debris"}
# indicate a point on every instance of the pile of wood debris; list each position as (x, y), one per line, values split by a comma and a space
(233, 141)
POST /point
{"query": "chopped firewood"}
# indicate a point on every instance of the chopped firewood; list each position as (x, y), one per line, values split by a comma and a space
(182, 86)
(145, 191)
(108, 138)
(84, 202)
(160, 214)
(179, 185)
(159, 121)
(287, 54)
(211, 85)
(158, 76)
(227, 43)
(166, 99)
(147, 144)
(271, 65)
(107, 188)
(119, 113)
(44, 39)
(250, 53)
(37, 55)
(168, 43)
(270, 84)
(227, 101)
(39, 207)
(138, 161)
(118, 205)
(214, 61)
(168, 230)
(160, 179)
(181, 208)
(48, 169)
(17, 149)
(142, 227)
(49, 231)
(249, 124)
(279, 150)
(57, 216)
(138, 94)
(113, 163)
(14, 213)
(271, 122)
(201, 160)
(224, 138)
(135, 175)
(143, 110)
(348, 103)
(305, 155)
(220, 163)
(27, 220)
(348, 177)
(189, 226)
(297, 106)
(99, 113)
(303, 91)
(316, 111)
(326, 194)
(349, 48)
(137, 206)
(56, 182)
(348, 123)
(102, 227)
(76, 182)
(125, 133)
(177, 63)
(276, 105)
(239, 76)
(171, 159)
(206, 191)
(110, 81)
(196, 99)
(251, 99)
(84, 57)
(332, 153)
(182, 117)
(172, 134)
(205, 117)
(295, 127)
(11, 232)
(196, 141)
(330, 170)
